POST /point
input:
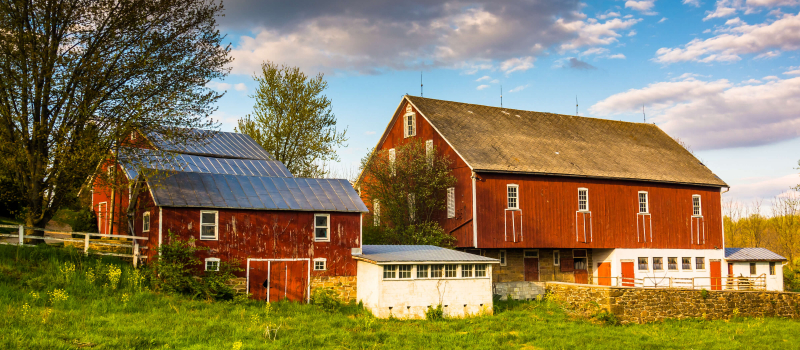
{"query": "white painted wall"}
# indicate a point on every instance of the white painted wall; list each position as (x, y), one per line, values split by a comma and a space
(410, 298)
(660, 277)
(774, 282)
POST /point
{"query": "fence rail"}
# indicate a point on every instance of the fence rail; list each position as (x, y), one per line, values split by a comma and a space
(709, 283)
(86, 240)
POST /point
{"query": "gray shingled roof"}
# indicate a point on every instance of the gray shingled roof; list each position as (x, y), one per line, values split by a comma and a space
(201, 190)
(201, 164)
(418, 253)
(222, 144)
(751, 254)
(496, 139)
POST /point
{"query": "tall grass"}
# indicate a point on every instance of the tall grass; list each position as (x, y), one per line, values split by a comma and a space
(99, 314)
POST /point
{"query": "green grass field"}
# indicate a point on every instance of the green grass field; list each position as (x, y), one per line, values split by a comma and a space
(53, 298)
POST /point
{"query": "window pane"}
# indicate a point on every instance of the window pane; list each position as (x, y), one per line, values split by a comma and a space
(450, 270)
(658, 263)
(436, 271)
(466, 270)
(480, 270)
(772, 268)
(673, 263)
(752, 268)
(321, 233)
(643, 264)
(207, 232)
(422, 271)
(390, 271)
(405, 271)
(321, 220)
(208, 218)
(701, 263)
(503, 258)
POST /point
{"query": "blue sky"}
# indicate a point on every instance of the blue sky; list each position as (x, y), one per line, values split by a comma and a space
(723, 76)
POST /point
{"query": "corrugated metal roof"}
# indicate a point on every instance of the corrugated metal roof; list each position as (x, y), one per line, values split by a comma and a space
(418, 253)
(751, 254)
(496, 139)
(221, 144)
(201, 164)
(203, 190)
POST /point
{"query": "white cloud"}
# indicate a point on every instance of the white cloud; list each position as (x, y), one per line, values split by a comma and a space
(485, 77)
(519, 88)
(240, 87)
(595, 34)
(517, 64)
(771, 77)
(617, 56)
(645, 6)
(725, 8)
(595, 51)
(752, 81)
(481, 87)
(219, 86)
(685, 76)
(695, 3)
(369, 133)
(769, 54)
(609, 14)
(715, 114)
(719, 12)
(764, 189)
(662, 20)
(792, 72)
(781, 35)
(495, 81)
(632, 33)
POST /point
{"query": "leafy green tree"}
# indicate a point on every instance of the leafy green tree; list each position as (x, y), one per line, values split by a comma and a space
(78, 76)
(293, 120)
(408, 194)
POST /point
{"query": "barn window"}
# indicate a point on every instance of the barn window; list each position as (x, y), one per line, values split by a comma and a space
(502, 258)
(658, 263)
(451, 202)
(404, 271)
(391, 160)
(212, 264)
(436, 271)
(389, 271)
(480, 270)
(672, 263)
(466, 271)
(752, 268)
(320, 264)
(696, 205)
(422, 271)
(376, 213)
(322, 227)
(643, 264)
(686, 263)
(583, 199)
(700, 263)
(410, 124)
(556, 258)
(644, 206)
(513, 196)
(450, 271)
(429, 152)
(580, 258)
(209, 220)
(146, 222)
(772, 268)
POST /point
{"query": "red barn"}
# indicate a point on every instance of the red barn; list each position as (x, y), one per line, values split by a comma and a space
(288, 234)
(568, 198)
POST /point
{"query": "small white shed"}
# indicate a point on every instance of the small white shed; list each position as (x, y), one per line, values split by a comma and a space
(757, 264)
(403, 281)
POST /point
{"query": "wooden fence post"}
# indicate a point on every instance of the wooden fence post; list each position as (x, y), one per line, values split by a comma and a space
(135, 253)
(21, 235)
(86, 244)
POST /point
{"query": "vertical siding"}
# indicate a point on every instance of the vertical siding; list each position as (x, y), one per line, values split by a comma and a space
(549, 205)
(102, 192)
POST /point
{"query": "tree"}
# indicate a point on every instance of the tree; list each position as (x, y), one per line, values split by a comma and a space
(79, 76)
(293, 120)
(408, 192)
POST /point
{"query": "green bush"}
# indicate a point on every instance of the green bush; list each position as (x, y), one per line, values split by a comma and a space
(435, 313)
(607, 318)
(704, 293)
(326, 299)
(85, 221)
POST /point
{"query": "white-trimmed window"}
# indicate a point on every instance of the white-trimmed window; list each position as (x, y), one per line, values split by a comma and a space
(644, 203)
(389, 271)
(686, 263)
(580, 259)
(422, 271)
(658, 264)
(502, 258)
(412, 208)
(583, 199)
(772, 268)
(696, 211)
(512, 196)
(466, 270)
(643, 264)
(672, 263)
(753, 269)
(480, 270)
(450, 271)
(320, 264)
(437, 271)
(322, 227)
(700, 263)
(209, 225)
(429, 151)
(531, 254)
(556, 258)
(404, 271)
(410, 124)
(146, 222)
(212, 264)
(376, 212)
(451, 202)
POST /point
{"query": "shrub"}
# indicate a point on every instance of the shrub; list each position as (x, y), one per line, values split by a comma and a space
(607, 318)
(326, 299)
(85, 221)
(435, 313)
(704, 293)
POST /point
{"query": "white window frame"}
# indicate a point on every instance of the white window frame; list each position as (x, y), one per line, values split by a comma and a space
(662, 263)
(392, 157)
(390, 269)
(376, 212)
(585, 207)
(556, 258)
(327, 227)
(427, 270)
(508, 196)
(467, 269)
(324, 264)
(410, 124)
(639, 263)
(429, 151)
(208, 260)
(697, 210)
(410, 271)
(703, 259)
(457, 271)
(646, 202)
(451, 202)
(485, 270)
(216, 225)
(534, 253)
(691, 263)
(146, 222)
(503, 258)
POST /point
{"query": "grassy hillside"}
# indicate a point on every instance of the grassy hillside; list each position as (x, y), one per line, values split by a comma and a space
(52, 298)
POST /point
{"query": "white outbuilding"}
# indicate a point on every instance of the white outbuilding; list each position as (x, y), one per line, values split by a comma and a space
(759, 267)
(404, 281)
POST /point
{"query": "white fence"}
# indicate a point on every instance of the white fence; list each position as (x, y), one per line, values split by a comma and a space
(86, 240)
(709, 283)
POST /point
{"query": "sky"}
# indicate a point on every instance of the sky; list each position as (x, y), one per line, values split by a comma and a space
(723, 76)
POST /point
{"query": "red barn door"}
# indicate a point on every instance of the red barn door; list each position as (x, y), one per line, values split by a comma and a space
(532, 269)
(716, 275)
(604, 274)
(278, 280)
(628, 277)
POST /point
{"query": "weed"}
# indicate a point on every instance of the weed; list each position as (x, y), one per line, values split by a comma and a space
(607, 318)
(326, 299)
(704, 293)
(435, 313)
(58, 295)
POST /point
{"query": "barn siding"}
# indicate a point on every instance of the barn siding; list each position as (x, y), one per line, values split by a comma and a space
(102, 192)
(549, 205)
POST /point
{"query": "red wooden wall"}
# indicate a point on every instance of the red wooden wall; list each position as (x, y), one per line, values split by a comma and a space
(549, 205)
(102, 192)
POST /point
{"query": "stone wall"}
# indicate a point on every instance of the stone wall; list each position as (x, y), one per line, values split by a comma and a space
(239, 284)
(640, 305)
(520, 290)
(345, 286)
(548, 271)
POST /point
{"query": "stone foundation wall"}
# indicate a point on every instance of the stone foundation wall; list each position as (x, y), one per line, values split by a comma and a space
(345, 286)
(548, 271)
(641, 305)
(520, 290)
(239, 284)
